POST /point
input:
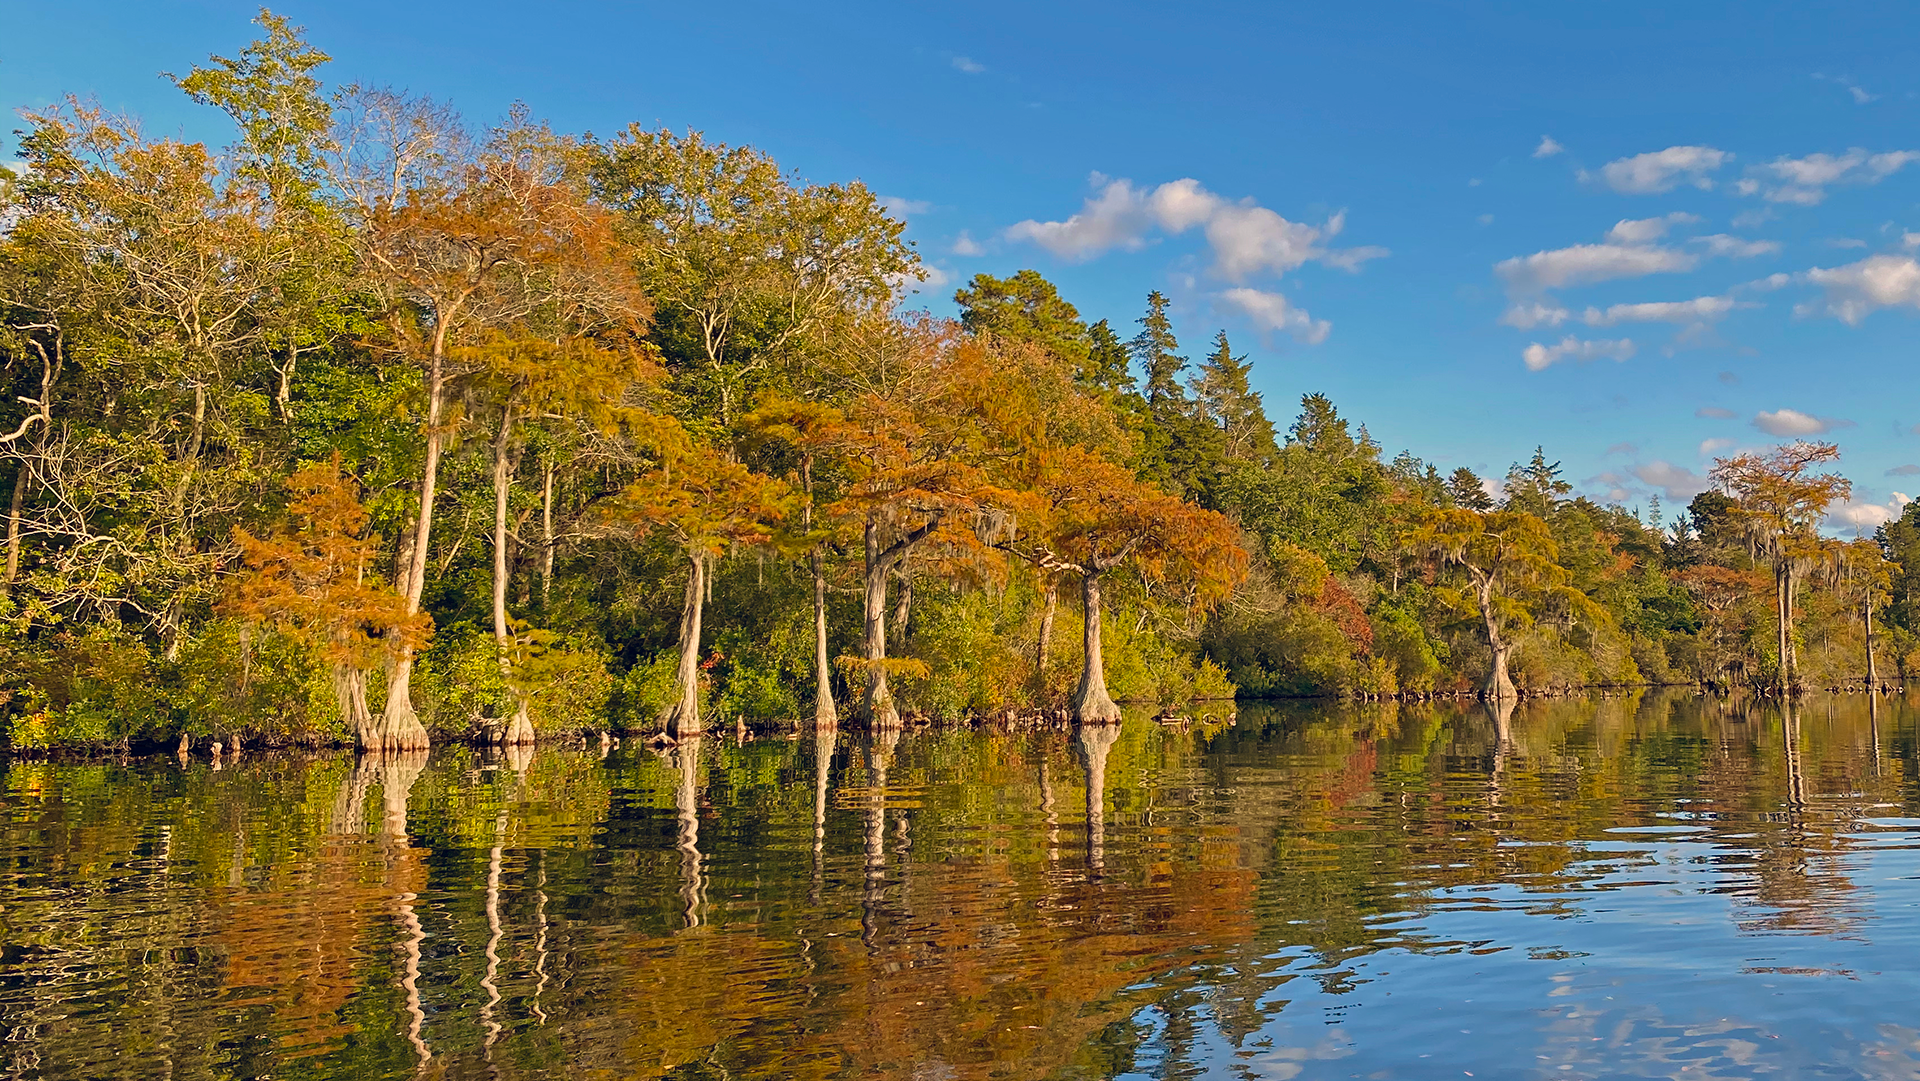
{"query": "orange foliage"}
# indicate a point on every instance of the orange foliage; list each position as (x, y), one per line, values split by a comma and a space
(315, 580)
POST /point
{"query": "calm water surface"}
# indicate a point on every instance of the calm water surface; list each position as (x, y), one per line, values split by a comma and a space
(1654, 886)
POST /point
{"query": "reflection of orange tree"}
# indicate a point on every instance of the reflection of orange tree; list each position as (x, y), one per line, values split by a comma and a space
(296, 937)
(1305, 829)
(767, 1000)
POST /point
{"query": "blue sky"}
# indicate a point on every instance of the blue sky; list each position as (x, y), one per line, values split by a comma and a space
(1638, 234)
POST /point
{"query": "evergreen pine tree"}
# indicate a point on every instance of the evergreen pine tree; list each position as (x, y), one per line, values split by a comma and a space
(1158, 352)
(1227, 399)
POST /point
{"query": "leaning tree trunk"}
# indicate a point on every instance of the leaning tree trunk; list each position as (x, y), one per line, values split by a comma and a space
(519, 729)
(682, 718)
(825, 715)
(398, 727)
(1499, 686)
(1091, 703)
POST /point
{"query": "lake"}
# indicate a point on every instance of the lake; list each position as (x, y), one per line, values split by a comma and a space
(1651, 885)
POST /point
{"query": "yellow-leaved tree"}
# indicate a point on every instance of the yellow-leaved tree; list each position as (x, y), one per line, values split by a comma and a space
(1779, 501)
(1507, 556)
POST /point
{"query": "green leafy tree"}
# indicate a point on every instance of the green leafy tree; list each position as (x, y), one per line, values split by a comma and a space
(1505, 556)
(1227, 398)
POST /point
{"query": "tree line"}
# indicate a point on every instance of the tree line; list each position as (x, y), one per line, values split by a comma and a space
(374, 425)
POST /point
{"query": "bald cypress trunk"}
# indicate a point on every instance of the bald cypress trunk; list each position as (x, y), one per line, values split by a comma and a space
(519, 728)
(1499, 686)
(1091, 703)
(825, 715)
(682, 718)
(878, 706)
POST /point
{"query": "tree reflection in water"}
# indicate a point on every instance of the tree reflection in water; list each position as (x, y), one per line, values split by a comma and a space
(1252, 896)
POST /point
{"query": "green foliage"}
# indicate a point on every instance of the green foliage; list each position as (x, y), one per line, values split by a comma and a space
(694, 356)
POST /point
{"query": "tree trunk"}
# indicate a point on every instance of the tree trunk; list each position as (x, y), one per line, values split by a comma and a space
(546, 537)
(1499, 685)
(1792, 646)
(903, 609)
(1045, 645)
(878, 707)
(1783, 615)
(682, 718)
(1091, 703)
(1866, 616)
(825, 715)
(398, 727)
(13, 523)
(350, 689)
(518, 731)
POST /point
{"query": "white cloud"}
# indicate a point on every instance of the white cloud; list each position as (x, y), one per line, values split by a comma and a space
(1767, 284)
(1528, 316)
(1860, 515)
(1547, 148)
(1540, 357)
(1677, 483)
(1714, 412)
(1859, 93)
(1792, 422)
(966, 245)
(1114, 217)
(1720, 244)
(1856, 290)
(1803, 181)
(1697, 310)
(899, 207)
(1910, 241)
(934, 278)
(1179, 205)
(971, 67)
(1273, 312)
(1643, 230)
(1908, 470)
(1584, 264)
(1714, 446)
(1246, 238)
(1661, 170)
(1615, 485)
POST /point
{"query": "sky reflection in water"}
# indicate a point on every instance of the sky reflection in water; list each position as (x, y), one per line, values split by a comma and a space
(1652, 886)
